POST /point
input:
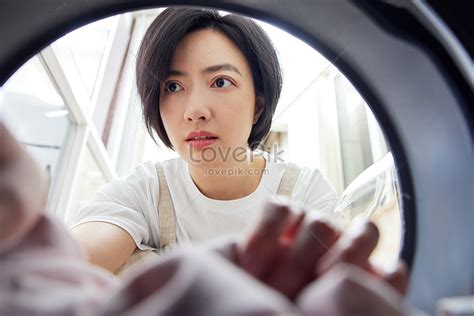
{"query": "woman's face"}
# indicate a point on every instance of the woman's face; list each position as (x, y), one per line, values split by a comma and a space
(209, 91)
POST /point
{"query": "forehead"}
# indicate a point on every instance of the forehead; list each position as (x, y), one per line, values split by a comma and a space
(207, 47)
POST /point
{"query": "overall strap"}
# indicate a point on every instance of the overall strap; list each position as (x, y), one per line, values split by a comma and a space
(166, 214)
(288, 180)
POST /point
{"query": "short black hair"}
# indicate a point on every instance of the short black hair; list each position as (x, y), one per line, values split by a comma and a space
(157, 49)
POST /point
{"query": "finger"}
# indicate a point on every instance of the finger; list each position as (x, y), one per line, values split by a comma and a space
(398, 279)
(225, 246)
(311, 244)
(263, 244)
(297, 270)
(348, 290)
(354, 247)
(292, 229)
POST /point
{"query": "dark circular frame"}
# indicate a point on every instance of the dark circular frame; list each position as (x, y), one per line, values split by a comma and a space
(396, 59)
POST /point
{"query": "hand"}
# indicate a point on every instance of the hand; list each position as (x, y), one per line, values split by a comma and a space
(22, 190)
(284, 249)
(287, 253)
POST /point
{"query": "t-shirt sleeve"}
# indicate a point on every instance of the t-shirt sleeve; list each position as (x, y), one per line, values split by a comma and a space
(123, 202)
(315, 194)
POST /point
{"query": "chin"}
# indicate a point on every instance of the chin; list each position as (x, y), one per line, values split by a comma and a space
(221, 157)
(207, 164)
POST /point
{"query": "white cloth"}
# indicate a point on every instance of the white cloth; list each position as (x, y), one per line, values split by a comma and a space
(131, 203)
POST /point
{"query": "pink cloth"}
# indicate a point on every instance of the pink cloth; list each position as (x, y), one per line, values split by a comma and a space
(46, 274)
(194, 282)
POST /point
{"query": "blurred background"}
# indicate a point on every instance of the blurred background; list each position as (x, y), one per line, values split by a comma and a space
(75, 107)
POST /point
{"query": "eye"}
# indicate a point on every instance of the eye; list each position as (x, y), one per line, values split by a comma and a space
(222, 83)
(172, 87)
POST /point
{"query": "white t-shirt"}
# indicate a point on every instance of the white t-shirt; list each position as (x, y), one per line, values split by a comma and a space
(131, 203)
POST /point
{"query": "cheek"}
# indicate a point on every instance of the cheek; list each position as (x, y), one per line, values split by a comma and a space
(241, 104)
(165, 119)
(238, 117)
(169, 119)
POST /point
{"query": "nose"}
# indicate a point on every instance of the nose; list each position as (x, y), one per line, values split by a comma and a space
(196, 116)
(197, 108)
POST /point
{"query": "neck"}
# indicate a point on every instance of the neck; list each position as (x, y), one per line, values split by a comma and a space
(229, 181)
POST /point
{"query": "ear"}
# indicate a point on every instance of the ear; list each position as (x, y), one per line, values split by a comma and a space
(259, 107)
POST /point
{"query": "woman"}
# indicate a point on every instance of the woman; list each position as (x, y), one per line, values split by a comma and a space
(44, 273)
(209, 86)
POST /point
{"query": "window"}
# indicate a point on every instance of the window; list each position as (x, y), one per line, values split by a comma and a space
(82, 52)
(86, 130)
(90, 180)
(56, 93)
(30, 96)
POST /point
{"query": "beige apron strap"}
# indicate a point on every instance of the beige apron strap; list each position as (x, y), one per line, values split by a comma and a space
(167, 229)
(136, 260)
(166, 214)
(288, 180)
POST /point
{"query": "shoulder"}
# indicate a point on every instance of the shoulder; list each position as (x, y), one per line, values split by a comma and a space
(304, 175)
(307, 181)
(308, 175)
(310, 183)
(314, 191)
(145, 174)
(172, 165)
(141, 176)
(121, 201)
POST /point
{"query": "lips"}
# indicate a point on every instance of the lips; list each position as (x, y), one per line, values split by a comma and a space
(200, 139)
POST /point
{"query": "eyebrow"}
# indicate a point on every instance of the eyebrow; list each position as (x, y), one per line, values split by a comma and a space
(220, 67)
(207, 70)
